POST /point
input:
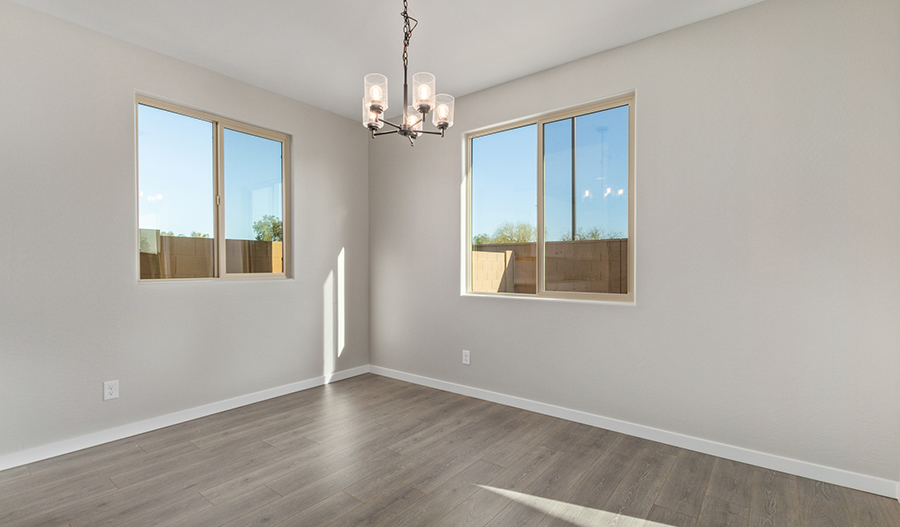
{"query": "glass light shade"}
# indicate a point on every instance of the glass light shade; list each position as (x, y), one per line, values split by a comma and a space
(370, 118)
(423, 92)
(412, 116)
(376, 92)
(443, 111)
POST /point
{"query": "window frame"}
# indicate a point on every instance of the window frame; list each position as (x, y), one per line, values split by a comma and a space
(541, 120)
(218, 198)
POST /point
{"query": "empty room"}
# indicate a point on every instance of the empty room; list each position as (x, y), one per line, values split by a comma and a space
(430, 263)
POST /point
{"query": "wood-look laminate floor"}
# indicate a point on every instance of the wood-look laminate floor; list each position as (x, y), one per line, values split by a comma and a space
(379, 452)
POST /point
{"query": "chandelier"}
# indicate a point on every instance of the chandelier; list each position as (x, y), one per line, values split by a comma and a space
(374, 103)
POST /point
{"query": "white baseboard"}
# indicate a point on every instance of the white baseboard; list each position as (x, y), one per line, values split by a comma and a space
(71, 445)
(835, 476)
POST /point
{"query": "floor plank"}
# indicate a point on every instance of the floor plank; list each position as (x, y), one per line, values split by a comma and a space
(381, 509)
(487, 502)
(720, 513)
(324, 512)
(775, 500)
(169, 513)
(731, 481)
(661, 516)
(868, 510)
(545, 495)
(596, 486)
(431, 508)
(822, 504)
(14, 473)
(686, 485)
(633, 498)
(228, 510)
(506, 452)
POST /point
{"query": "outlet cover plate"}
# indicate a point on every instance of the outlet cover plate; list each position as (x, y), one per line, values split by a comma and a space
(110, 390)
(466, 357)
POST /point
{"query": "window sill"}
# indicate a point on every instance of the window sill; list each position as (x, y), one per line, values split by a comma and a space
(629, 301)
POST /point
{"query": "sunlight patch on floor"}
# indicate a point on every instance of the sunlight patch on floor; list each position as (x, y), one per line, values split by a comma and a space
(572, 514)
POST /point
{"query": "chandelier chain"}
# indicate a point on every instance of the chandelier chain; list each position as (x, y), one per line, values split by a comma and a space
(407, 33)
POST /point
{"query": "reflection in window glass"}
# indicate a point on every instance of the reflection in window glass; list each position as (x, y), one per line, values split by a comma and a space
(175, 195)
(253, 204)
(558, 180)
(586, 202)
(504, 211)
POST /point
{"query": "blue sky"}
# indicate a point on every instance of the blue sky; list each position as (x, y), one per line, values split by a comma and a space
(504, 175)
(175, 175)
(175, 172)
(504, 179)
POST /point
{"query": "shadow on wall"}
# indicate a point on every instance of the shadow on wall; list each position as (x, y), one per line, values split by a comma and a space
(593, 266)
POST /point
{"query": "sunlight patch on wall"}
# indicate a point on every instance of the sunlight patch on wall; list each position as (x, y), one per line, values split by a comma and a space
(328, 354)
(341, 304)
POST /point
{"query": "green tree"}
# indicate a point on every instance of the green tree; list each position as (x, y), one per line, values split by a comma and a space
(268, 229)
(196, 234)
(509, 232)
(520, 232)
(481, 239)
(164, 233)
(594, 233)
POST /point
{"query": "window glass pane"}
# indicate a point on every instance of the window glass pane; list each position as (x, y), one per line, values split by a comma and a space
(558, 179)
(253, 204)
(175, 195)
(589, 253)
(504, 211)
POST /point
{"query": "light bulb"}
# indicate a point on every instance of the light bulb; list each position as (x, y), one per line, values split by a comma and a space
(423, 92)
(443, 114)
(376, 93)
(411, 120)
(370, 116)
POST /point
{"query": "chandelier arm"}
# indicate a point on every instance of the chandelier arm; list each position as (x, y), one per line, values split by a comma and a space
(397, 126)
(375, 134)
(441, 133)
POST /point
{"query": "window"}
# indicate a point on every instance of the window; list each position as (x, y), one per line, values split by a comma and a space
(212, 195)
(551, 205)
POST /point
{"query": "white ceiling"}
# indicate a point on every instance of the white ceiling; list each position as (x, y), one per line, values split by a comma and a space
(319, 52)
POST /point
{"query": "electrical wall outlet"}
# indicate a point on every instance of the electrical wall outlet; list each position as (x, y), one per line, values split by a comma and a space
(110, 390)
(466, 357)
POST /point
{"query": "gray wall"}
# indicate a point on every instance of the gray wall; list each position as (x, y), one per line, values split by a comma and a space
(72, 313)
(768, 291)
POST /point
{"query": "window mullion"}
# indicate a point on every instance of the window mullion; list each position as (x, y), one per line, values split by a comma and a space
(539, 264)
(574, 199)
(220, 198)
(287, 232)
(468, 204)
